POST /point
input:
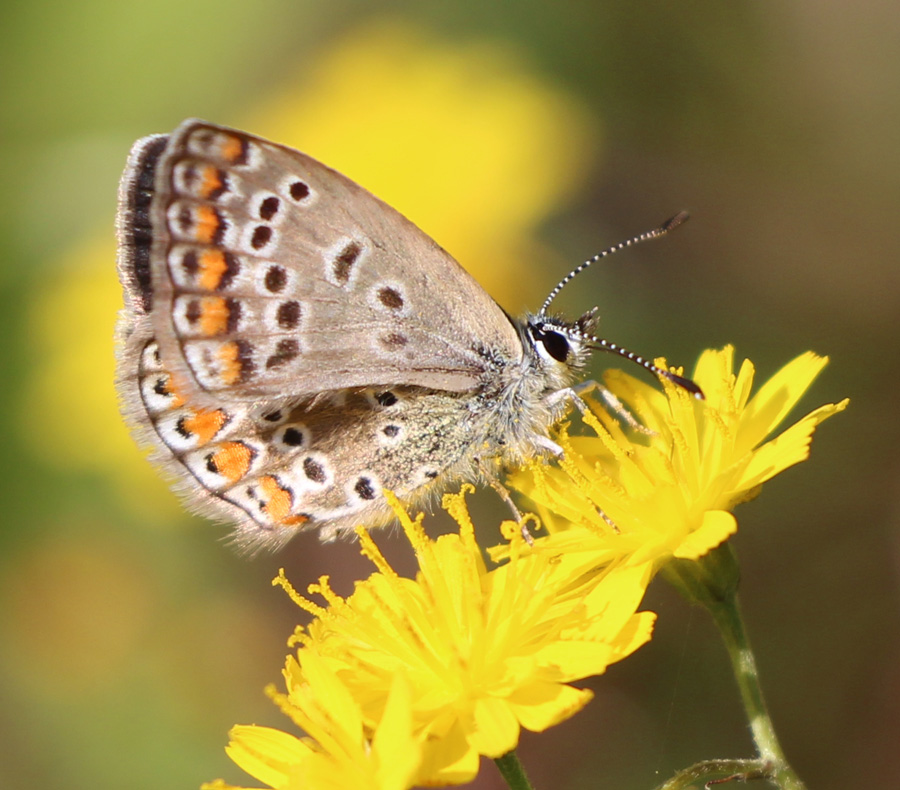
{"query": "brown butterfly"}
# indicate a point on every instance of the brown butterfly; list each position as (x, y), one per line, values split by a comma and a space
(292, 346)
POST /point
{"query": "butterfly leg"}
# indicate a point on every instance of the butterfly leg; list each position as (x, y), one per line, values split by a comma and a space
(574, 395)
(504, 494)
(609, 398)
(546, 443)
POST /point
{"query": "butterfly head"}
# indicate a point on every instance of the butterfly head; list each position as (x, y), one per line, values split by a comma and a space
(562, 343)
(569, 344)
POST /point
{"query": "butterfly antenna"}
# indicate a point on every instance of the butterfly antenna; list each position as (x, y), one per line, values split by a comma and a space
(670, 224)
(599, 344)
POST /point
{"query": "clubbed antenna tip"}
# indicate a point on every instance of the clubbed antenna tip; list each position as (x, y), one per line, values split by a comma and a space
(685, 384)
(673, 222)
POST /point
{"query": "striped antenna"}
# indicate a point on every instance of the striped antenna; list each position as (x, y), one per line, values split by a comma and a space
(600, 344)
(670, 224)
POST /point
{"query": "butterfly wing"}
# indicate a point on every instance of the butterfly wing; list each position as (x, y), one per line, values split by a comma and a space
(276, 471)
(265, 274)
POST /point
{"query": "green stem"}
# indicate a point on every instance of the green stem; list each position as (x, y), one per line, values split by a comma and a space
(712, 581)
(727, 615)
(512, 771)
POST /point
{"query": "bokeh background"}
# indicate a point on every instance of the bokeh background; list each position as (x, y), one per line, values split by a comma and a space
(524, 137)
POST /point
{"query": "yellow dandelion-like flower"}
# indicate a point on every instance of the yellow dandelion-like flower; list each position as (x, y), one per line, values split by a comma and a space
(337, 752)
(484, 652)
(668, 493)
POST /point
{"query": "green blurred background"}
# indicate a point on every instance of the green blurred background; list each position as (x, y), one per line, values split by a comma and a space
(524, 137)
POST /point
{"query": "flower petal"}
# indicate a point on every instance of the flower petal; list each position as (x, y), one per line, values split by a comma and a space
(789, 448)
(717, 526)
(449, 759)
(395, 751)
(775, 399)
(496, 729)
(543, 705)
(265, 753)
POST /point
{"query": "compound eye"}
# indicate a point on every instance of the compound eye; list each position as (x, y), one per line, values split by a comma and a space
(555, 344)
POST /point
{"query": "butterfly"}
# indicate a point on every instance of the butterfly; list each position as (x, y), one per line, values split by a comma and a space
(291, 346)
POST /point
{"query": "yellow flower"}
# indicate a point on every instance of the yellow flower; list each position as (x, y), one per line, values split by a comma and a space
(669, 492)
(337, 753)
(483, 652)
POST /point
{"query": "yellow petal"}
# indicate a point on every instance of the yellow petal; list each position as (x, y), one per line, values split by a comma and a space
(396, 753)
(716, 527)
(265, 753)
(496, 729)
(543, 705)
(636, 633)
(777, 397)
(448, 760)
(789, 448)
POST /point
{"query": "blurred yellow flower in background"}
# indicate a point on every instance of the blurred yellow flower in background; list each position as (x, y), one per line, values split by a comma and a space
(70, 416)
(464, 139)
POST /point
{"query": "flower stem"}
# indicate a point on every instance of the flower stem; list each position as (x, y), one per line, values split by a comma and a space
(727, 615)
(513, 772)
(712, 581)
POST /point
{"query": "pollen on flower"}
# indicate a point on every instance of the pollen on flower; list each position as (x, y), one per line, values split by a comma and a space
(304, 603)
(669, 490)
(480, 652)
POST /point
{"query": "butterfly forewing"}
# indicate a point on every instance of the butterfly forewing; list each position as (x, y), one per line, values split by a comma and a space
(273, 276)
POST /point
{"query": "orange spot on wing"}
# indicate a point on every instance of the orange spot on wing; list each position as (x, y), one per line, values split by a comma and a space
(212, 267)
(205, 424)
(211, 180)
(214, 315)
(170, 389)
(232, 460)
(232, 148)
(278, 503)
(230, 360)
(207, 223)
